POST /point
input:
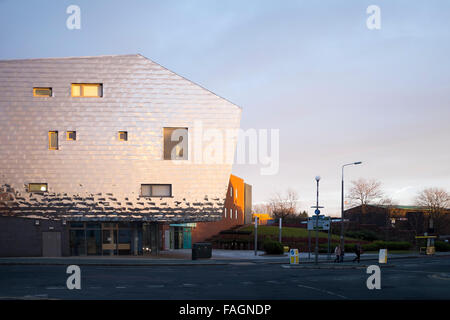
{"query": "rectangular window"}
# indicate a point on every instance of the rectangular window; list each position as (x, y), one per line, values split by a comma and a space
(37, 187)
(53, 140)
(156, 190)
(236, 214)
(231, 192)
(225, 214)
(71, 135)
(42, 92)
(123, 136)
(87, 90)
(175, 143)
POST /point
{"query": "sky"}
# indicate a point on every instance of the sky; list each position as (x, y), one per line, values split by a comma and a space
(337, 91)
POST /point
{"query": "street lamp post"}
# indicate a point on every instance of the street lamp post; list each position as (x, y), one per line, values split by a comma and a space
(342, 207)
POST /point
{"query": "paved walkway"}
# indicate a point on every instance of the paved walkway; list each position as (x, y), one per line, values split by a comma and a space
(183, 257)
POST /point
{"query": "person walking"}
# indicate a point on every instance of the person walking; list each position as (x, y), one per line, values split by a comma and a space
(337, 252)
(357, 252)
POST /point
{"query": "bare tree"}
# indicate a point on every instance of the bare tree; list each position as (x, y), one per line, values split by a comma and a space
(284, 206)
(364, 192)
(437, 202)
(262, 208)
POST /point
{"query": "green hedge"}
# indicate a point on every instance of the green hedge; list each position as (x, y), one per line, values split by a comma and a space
(390, 245)
(442, 246)
(273, 247)
(366, 235)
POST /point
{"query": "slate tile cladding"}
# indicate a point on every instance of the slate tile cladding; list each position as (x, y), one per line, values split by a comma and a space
(97, 176)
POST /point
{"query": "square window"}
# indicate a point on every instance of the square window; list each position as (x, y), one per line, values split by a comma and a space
(37, 187)
(71, 135)
(53, 140)
(42, 92)
(123, 135)
(156, 190)
(175, 143)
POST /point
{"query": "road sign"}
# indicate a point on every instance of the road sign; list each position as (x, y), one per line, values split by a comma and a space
(317, 211)
(293, 256)
(323, 223)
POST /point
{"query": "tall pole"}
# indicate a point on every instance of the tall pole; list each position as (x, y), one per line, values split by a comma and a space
(279, 234)
(342, 210)
(342, 206)
(329, 241)
(316, 260)
(256, 235)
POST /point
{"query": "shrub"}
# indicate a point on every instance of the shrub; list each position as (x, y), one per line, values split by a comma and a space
(366, 235)
(390, 245)
(442, 246)
(273, 247)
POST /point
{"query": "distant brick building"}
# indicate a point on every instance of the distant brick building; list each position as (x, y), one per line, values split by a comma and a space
(397, 219)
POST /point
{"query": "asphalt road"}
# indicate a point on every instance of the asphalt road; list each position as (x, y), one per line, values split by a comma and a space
(420, 278)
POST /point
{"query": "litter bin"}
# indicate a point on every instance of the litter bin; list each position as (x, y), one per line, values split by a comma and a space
(201, 250)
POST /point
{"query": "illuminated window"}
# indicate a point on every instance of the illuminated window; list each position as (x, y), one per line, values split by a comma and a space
(123, 135)
(37, 187)
(231, 191)
(87, 90)
(175, 143)
(71, 135)
(42, 92)
(236, 215)
(156, 190)
(225, 215)
(53, 140)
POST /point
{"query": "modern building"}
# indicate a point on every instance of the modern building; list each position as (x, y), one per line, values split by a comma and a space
(104, 155)
(238, 202)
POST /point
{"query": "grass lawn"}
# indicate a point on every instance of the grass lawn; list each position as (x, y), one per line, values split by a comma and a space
(290, 232)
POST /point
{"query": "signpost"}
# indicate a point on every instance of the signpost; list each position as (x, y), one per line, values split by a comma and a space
(293, 256)
(317, 212)
(323, 223)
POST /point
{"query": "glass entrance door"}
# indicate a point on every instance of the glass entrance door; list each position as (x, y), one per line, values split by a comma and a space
(186, 238)
(109, 239)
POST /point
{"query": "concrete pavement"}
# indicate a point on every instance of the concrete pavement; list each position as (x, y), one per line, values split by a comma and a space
(182, 257)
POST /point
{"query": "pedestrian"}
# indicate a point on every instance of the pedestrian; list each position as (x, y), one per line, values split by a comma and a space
(342, 255)
(357, 252)
(337, 252)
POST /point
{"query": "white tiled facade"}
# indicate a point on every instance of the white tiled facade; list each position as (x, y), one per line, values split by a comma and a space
(97, 176)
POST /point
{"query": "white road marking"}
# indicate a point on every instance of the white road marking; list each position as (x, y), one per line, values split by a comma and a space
(321, 290)
(155, 286)
(440, 276)
(189, 285)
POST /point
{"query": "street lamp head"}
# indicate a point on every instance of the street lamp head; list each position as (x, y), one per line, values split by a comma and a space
(317, 178)
(358, 162)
